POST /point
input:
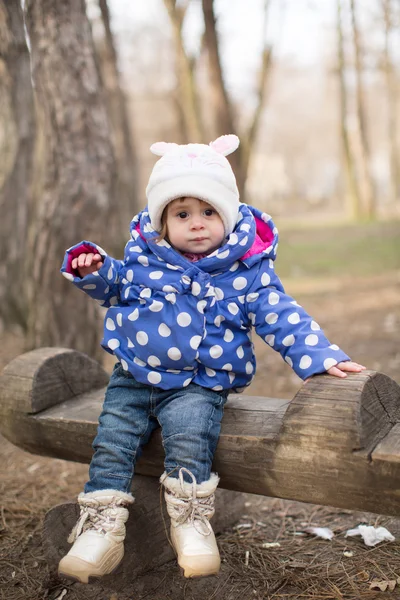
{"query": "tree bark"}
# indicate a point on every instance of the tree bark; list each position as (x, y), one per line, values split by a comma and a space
(391, 87)
(250, 138)
(18, 109)
(127, 191)
(187, 98)
(352, 193)
(224, 122)
(366, 185)
(77, 194)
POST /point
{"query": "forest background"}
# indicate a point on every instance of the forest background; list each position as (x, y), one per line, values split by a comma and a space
(312, 89)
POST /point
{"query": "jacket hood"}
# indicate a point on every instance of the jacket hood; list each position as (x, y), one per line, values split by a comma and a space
(171, 323)
(254, 237)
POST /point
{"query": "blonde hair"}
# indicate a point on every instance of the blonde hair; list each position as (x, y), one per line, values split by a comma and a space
(163, 231)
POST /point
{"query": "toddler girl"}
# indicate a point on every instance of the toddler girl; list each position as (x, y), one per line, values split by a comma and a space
(197, 277)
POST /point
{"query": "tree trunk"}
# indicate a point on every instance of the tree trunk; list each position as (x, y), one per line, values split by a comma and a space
(18, 109)
(187, 99)
(391, 86)
(77, 195)
(127, 166)
(366, 185)
(222, 109)
(250, 138)
(352, 192)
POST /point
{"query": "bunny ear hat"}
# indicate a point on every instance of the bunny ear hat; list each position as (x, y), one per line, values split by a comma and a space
(198, 171)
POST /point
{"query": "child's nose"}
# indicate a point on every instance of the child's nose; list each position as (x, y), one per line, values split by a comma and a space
(197, 223)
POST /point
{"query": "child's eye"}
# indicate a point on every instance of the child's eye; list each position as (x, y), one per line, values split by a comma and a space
(209, 212)
(182, 215)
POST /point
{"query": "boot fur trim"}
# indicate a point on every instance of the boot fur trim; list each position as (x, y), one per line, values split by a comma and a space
(107, 496)
(206, 488)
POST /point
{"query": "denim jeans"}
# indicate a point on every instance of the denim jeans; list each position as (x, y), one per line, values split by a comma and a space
(190, 420)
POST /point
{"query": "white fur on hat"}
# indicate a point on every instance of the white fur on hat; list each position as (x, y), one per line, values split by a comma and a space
(195, 170)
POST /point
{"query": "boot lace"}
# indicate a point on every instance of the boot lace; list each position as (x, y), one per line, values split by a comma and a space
(196, 511)
(97, 516)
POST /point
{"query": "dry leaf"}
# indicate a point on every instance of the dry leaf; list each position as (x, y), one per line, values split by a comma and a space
(378, 585)
(362, 576)
(383, 585)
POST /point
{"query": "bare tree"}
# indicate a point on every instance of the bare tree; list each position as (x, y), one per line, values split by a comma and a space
(127, 201)
(366, 186)
(224, 117)
(224, 121)
(249, 139)
(17, 114)
(187, 97)
(351, 180)
(77, 192)
(391, 86)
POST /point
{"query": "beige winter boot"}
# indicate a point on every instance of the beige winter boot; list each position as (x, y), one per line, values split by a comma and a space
(98, 536)
(190, 507)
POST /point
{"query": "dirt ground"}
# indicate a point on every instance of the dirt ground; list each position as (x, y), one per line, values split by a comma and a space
(362, 315)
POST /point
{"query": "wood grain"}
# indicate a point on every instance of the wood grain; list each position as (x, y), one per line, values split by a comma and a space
(336, 443)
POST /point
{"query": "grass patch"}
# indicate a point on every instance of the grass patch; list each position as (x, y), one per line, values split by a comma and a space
(349, 250)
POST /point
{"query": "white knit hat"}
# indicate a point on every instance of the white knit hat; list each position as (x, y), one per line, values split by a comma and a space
(195, 170)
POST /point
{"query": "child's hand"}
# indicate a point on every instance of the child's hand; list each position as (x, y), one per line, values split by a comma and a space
(349, 366)
(87, 263)
(339, 369)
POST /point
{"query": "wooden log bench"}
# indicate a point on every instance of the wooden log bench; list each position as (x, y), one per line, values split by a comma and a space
(337, 443)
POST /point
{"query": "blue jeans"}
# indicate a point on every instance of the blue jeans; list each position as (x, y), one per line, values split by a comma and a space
(190, 420)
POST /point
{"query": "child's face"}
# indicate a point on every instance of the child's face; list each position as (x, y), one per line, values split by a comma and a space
(194, 226)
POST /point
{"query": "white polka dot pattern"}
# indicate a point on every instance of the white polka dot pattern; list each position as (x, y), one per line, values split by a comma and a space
(228, 335)
(154, 377)
(142, 338)
(167, 316)
(239, 283)
(311, 340)
(110, 325)
(156, 306)
(305, 361)
(164, 330)
(113, 343)
(271, 318)
(329, 362)
(154, 361)
(174, 353)
(184, 319)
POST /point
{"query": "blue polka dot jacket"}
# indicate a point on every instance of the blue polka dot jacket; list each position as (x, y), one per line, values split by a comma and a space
(171, 322)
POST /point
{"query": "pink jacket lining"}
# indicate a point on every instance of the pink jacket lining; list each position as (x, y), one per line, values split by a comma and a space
(83, 248)
(263, 239)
